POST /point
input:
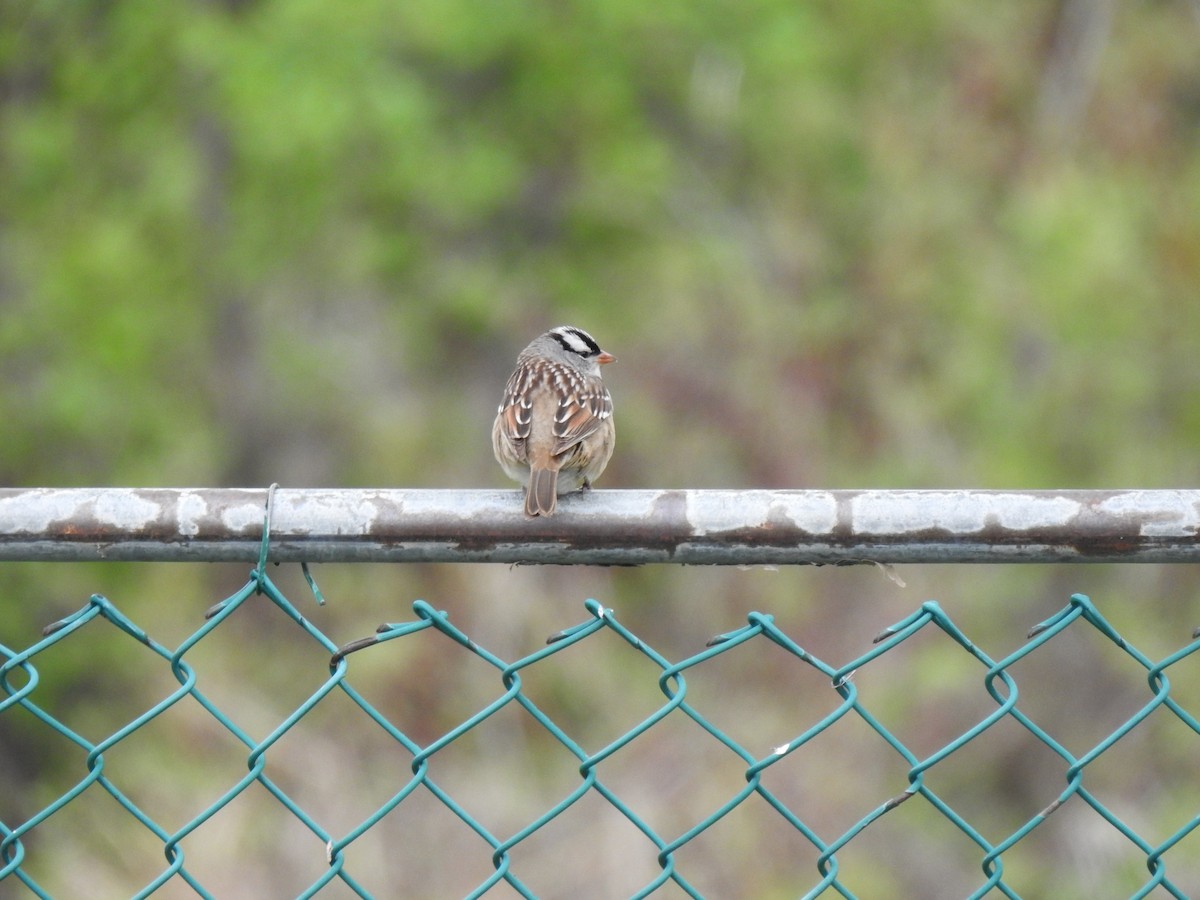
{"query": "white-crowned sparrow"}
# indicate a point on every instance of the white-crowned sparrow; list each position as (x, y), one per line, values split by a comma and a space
(554, 430)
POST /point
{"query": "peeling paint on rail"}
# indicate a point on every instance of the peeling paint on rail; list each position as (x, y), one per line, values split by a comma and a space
(603, 527)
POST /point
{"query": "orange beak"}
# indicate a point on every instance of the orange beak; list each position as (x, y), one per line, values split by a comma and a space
(605, 358)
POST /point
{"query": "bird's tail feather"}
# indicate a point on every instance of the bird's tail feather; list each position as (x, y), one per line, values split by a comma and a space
(542, 496)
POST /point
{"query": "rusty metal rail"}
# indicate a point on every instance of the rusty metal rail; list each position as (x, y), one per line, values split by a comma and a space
(701, 527)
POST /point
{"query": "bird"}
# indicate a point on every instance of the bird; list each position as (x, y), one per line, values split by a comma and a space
(554, 430)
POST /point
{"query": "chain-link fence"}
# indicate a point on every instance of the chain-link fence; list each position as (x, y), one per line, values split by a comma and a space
(1167, 865)
(770, 789)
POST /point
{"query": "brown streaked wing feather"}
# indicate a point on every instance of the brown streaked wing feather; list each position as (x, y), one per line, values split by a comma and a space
(515, 412)
(577, 420)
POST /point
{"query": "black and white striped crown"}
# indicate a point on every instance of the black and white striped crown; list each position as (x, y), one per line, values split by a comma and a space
(576, 340)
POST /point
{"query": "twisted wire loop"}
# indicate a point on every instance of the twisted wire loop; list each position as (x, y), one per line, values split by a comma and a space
(260, 570)
(830, 874)
(258, 576)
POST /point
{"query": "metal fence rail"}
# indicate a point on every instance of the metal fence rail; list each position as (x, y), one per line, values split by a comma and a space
(1169, 868)
(602, 527)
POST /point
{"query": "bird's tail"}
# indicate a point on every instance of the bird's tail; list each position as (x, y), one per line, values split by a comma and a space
(542, 496)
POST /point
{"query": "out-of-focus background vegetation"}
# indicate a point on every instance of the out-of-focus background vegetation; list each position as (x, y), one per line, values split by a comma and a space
(855, 244)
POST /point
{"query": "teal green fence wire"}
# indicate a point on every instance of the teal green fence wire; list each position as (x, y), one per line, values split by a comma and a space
(828, 868)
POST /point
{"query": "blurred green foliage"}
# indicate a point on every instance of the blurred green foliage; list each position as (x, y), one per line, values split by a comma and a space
(218, 216)
(833, 245)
